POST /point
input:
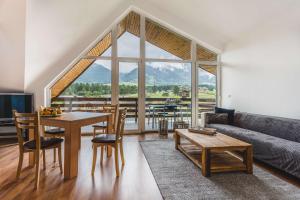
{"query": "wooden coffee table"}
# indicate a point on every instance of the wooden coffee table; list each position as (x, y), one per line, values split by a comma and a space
(216, 153)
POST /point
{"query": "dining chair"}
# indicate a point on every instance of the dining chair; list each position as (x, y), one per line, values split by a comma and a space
(53, 132)
(171, 112)
(107, 108)
(115, 140)
(30, 122)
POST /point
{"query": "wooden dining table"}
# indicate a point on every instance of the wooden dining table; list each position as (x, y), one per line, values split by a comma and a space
(72, 123)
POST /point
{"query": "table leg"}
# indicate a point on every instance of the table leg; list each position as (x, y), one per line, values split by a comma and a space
(177, 140)
(248, 160)
(72, 135)
(205, 162)
(109, 131)
(79, 139)
(31, 154)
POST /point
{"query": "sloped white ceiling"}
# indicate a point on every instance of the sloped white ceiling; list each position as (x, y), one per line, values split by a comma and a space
(218, 22)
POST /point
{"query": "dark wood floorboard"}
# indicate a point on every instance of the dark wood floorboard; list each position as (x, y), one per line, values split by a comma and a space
(135, 182)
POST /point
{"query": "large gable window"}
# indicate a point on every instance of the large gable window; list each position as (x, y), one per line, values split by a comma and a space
(143, 66)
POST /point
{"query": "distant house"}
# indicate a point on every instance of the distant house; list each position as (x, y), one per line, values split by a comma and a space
(185, 93)
(203, 89)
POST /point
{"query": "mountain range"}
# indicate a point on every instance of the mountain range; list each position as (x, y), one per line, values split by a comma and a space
(97, 73)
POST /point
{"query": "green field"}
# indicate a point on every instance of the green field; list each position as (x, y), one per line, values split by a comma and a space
(131, 90)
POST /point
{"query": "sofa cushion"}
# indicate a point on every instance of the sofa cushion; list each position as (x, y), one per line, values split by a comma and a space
(104, 138)
(229, 112)
(233, 131)
(278, 152)
(284, 128)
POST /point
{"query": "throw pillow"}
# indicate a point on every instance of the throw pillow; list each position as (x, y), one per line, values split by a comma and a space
(230, 113)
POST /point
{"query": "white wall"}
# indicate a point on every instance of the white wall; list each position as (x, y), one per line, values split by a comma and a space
(58, 31)
(261, 69)
(12, 45)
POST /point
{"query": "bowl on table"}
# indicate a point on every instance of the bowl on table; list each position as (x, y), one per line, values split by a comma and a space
(50, 112)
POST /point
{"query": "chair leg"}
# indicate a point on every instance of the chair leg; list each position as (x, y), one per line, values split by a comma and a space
(37, 169)
(101, 155)
(108, 151)
(44, 159)
(21, 156)
(54, 155)
(60, 159)
(94, 159)
(122, 153)
(94, 133)
(116, 159)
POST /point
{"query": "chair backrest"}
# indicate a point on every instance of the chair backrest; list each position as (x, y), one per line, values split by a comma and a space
(113, 109)
(27, 121)
(121, 124)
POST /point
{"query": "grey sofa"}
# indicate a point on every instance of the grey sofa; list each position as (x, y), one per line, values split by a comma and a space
(275, 140)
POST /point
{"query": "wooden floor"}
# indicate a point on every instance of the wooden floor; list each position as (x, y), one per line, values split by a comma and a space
(135, 182)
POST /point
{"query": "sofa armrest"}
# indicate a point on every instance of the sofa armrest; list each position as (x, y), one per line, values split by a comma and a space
(213, 118)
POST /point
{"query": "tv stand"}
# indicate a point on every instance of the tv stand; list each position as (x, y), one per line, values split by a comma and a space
(6, 123)
(8, 133)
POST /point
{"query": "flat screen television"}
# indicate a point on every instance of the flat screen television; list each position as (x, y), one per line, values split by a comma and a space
(22, 102)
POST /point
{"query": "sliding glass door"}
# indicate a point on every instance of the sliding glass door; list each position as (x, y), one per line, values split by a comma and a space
(168, 93)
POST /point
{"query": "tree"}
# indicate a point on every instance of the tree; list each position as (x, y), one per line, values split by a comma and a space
(176, 90)
(165, 94)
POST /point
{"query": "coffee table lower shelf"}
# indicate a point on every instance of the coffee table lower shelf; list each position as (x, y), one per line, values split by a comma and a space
(219, 161)
(214, 153)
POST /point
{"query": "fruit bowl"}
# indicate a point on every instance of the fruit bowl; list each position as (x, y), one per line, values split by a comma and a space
(50, 112)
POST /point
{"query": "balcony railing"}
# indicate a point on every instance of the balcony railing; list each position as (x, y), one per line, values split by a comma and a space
(92, 104)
